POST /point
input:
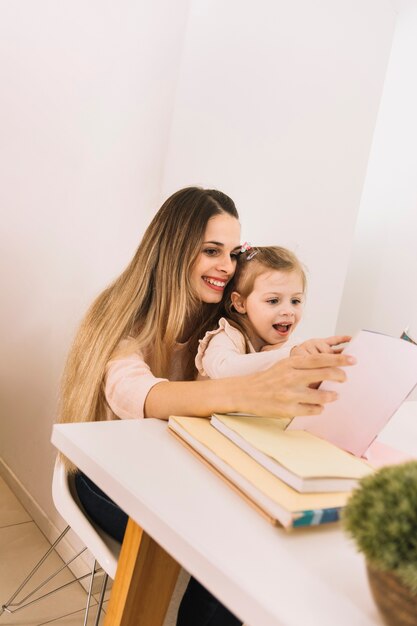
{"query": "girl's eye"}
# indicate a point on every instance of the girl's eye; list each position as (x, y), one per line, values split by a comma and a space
(296, 301)
(273, 301)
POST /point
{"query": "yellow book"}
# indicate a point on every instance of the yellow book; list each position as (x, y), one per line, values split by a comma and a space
(302, 460)
(275, 498)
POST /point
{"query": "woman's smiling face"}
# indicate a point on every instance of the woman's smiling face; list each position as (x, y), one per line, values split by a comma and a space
(216, 262)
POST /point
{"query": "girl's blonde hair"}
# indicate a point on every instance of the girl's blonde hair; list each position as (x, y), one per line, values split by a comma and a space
(252, 264)
(152, 301)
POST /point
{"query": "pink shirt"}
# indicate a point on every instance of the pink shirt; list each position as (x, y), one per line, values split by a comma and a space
(129, 379)
(222, 353)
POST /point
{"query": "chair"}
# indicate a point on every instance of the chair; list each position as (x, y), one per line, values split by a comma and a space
(104, 549)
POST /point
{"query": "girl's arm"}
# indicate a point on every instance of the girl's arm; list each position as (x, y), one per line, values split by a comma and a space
(282, 390)
(224, 357)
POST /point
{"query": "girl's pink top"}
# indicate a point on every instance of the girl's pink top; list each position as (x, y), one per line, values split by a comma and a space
(222, 353)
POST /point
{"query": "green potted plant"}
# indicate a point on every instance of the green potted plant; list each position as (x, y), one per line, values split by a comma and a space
(381, 517)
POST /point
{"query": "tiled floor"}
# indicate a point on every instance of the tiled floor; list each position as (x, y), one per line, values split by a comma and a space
(21, 546)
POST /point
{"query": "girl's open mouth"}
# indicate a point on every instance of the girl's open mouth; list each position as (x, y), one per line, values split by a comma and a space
(283, 329)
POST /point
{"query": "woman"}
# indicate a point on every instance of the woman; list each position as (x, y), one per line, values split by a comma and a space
(134, 353)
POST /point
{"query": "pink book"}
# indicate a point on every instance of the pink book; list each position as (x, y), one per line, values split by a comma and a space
(379, 454)
(385, 374)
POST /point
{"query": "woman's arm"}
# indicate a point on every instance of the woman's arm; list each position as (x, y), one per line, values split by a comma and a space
(282, 390)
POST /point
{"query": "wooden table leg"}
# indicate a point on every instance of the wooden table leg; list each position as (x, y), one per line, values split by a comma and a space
(145, 579)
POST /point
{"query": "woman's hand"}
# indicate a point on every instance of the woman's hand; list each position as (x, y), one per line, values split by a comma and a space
(284, 389)
(330, 345)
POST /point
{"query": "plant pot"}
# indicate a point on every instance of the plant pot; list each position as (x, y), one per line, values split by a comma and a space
(397, 604)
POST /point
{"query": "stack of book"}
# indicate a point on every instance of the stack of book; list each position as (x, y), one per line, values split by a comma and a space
(300, 472)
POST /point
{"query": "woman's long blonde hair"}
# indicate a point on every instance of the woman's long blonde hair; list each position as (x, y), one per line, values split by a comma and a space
(250, 265)
(152, 300)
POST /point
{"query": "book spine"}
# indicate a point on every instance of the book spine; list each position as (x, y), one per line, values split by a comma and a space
(316, 517)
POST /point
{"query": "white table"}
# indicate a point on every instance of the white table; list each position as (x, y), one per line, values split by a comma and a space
(266, 576)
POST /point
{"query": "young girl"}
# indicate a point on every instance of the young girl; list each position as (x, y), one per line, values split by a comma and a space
(133, 356)
(264, 305)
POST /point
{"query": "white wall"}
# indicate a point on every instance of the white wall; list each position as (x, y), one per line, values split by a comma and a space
(86, 102)
(276, 106)
(380, 290)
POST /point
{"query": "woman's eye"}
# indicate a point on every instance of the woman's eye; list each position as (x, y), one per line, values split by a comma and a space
(210, 251)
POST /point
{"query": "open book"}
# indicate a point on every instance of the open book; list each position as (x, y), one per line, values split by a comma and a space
(303, 461)
(385, 374)
(275, 499)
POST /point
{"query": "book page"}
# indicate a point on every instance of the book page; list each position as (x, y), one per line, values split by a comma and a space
(385, 373)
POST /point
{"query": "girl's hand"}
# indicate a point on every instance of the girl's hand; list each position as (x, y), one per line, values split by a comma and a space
(330, 345)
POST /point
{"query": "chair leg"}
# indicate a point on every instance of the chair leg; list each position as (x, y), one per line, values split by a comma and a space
(34, 570)
(12, 607)
(101, 598)
(90, 592)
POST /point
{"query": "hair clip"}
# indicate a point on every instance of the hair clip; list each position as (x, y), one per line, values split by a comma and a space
(246, 247)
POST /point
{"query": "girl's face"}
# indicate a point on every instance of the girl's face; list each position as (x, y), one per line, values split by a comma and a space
(216, 262)
(273, 308)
